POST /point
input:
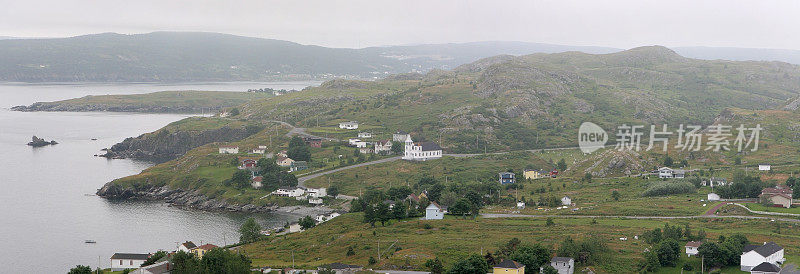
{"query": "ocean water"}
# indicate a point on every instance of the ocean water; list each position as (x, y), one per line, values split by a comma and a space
(47, 203)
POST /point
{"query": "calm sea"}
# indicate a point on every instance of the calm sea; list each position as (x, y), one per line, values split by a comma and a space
(47, 203)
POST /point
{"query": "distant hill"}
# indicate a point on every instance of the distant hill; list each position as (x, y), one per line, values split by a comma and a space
(200, 56)
(195, 56)
(740, 54)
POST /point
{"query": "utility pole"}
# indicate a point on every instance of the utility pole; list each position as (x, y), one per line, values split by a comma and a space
(379, 250)
(292, 258)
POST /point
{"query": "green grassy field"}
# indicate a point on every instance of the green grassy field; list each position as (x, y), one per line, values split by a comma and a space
(760, 207)
(453, 238)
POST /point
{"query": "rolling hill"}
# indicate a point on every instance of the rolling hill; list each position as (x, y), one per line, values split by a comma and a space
(195, 56)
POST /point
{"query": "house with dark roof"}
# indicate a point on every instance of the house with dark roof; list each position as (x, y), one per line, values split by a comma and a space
(122, 261)
(163, 266)
(186, 246)
(564, 265)
(508, 267)
(341, 268)
(421, 151)
(754, 255)
(766, 268)
(507, 178)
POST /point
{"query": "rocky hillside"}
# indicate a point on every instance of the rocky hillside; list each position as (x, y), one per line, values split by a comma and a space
(537, 101)
(179, 137)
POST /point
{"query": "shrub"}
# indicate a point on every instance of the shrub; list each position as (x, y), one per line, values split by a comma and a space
(668, 188)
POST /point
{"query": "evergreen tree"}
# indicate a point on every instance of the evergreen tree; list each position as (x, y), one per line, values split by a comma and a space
(250, 231)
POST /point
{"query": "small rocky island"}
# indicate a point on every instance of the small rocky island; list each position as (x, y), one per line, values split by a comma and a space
(39, 142)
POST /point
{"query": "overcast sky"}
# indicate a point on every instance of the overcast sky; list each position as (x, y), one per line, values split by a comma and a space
(622, 24)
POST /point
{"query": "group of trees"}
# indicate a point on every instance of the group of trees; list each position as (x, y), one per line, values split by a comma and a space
(724, 252)
(742, 186)
(666, 245)
(298, 149)
(217, 260)
(677, 186)
(273, 176)
(794, 183)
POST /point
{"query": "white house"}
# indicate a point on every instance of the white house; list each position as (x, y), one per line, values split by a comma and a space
(357, 143)
(691, 248)
(314, 201)
(122, 261)
(521, 205)
(566, 200)
(400, 136)
(256, 182)
(185, 247)
(564, 265)
(364, 135)
(289, 192)
(754, 255)
(383, 147)
(348, 125)
(666, 172)
(764, 167)
(421, 151)
(228, 150)
(713, 197)
(715, 181)
(317, 192)
(434, 212)
(259, 151)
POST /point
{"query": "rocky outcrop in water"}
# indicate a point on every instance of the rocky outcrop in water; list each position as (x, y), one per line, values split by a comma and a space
(164, 145)
(39, 142)
(177, 197)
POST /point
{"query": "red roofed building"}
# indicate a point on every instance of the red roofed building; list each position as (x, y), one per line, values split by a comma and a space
(777, 196)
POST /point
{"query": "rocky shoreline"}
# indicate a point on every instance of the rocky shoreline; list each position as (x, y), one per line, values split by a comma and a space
(196, 200)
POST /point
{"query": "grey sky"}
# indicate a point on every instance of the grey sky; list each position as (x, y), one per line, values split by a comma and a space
(623, 24)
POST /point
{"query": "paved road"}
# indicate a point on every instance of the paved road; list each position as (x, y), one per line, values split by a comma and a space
(503, 215)
(301, 181)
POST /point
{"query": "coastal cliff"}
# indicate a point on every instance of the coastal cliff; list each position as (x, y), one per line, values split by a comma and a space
(198, 201)
(166, 144)
(176, 197)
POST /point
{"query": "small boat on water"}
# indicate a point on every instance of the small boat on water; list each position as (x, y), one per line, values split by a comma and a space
(94, 139)
(90, 242)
